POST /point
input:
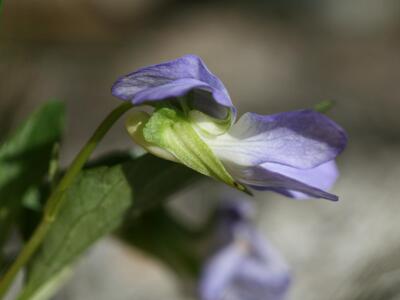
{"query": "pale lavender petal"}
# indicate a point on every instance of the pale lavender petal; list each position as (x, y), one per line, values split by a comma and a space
(249, 268)
(302, 139)
(263, 179)
(263, 274)
(174, 79)
(246, 266)
(219, 272)
(322, 177)
(260, 281)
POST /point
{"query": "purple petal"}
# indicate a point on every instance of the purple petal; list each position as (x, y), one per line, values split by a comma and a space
(219, 271)
(302, 139)
(261, 178)
(322, 177)
(176, 78)
(262, 282)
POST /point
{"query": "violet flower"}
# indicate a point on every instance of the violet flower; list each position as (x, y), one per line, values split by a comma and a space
(244, 266)
(193, 123)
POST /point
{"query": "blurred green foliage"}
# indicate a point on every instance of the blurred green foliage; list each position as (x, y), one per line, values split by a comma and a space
(324, 106)
(111, 190)
(24, 161)
(97, 203)
(157, 233)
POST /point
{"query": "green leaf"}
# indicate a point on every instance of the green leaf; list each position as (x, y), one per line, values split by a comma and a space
(24, 160)
(52, 285)
(96, 204)
(154, 180)
(159, 234)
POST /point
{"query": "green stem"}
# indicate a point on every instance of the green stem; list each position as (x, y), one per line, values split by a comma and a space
(57, 198)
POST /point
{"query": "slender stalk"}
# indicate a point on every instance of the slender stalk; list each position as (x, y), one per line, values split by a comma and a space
(57, 198)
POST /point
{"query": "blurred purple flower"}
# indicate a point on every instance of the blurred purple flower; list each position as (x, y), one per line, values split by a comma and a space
(291, 153)
(244, 266)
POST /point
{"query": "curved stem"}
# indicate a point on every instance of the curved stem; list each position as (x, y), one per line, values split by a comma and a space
(57, 198)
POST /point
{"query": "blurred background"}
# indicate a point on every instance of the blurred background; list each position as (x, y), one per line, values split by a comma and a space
(273, 56)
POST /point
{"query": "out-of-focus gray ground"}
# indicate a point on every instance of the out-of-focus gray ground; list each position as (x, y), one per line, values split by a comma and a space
(345, 50)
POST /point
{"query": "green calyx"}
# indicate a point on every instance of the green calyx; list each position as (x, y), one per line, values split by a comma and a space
(169, 134)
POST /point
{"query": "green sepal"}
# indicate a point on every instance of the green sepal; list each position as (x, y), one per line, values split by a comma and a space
(170, 130)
